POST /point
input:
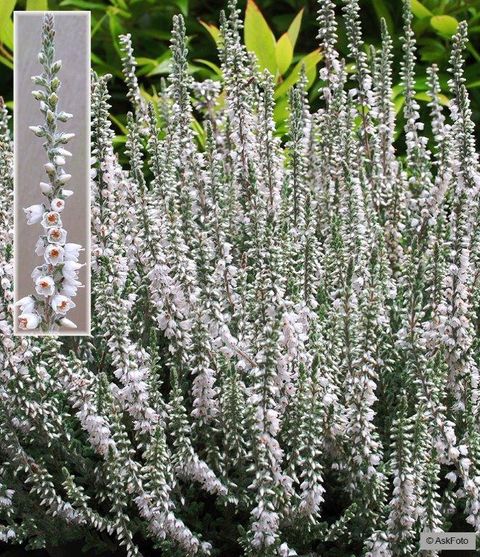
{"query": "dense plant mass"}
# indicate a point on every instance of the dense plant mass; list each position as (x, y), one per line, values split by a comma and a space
(284, 356)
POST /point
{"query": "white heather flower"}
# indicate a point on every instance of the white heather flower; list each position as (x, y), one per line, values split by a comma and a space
(26, 304)
(72, 251)
(59, 160)
(54, 254)
(63, 152)
(45, 286)
(69, 270)
(45, 187)
(57, 205)
(69, 289)
(67, 193)
(51, 218)
(67, 323)
(57, 235)
(61, 304)
(28, 321)
(34, 213)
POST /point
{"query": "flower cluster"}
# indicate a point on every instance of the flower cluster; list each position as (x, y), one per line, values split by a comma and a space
(284, 358)
(56, 280)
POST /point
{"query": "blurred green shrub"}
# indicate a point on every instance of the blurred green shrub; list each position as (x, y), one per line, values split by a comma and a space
(281, 32)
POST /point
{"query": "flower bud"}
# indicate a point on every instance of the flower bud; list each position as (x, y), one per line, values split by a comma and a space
(37, 130)
(45, 188)
(39, 80)
(59, 161)
(64, 116)
(67, 323)
(56, 66)
(65, 137)
(64, 178)
(49, 168)
(53, 100)
(39, 95)
(50, 117)
(55, 84)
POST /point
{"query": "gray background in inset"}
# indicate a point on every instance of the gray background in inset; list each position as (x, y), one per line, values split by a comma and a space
(72, 46)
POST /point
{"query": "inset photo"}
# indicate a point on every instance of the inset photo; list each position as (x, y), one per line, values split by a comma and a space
(51, 183)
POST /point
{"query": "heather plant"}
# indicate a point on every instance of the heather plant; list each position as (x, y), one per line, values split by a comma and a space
(56, 279)
(284, 357)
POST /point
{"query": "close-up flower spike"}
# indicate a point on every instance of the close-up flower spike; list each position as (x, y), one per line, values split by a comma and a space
(46, 313)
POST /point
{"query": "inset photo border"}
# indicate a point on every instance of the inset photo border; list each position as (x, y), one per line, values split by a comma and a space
(52, 173)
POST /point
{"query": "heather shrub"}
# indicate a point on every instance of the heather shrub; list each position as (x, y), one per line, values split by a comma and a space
(284, 357)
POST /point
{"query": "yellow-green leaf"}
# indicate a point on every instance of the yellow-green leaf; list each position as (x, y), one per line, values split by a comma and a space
(117, 122)
(40, 5)
(284, 53)
(310, 62)
(199, 131)
(444, 24)
(427, 98)
(419, 10)
(259, 38)
(6, 24)
(294, 28)
(398, 103)
(210, 65)
(6, 62)
(212, 29)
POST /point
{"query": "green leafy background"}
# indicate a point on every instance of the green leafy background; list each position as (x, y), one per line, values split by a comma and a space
(281, 32)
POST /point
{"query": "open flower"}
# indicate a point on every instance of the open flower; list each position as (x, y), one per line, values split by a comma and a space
(27, 304)
(69, 288)
(45, 286)
(29, 321)
(61, 304)
(57, 235)
(69, 272)
(51, 218)
(57, 204)
(34, 213)
(72, 251)
(54, 254)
